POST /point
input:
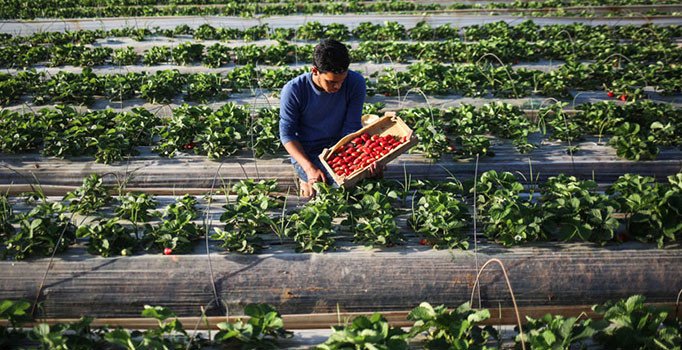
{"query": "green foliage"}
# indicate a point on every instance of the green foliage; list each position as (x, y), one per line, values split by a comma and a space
(177, 229)
(573, 210)
(371, 333)
(162, 86)
(441, 218)
(451, 329)
(187, 52)
(41, 231)
(312, 225)
(261, 331)
(652, 211)
(265, 133)
(224, 132)
(372, 218)
(108, 237)
(136, 207)
(248, 216)
(556, 332)
(508, 218)
(629, 324)
(90, 197)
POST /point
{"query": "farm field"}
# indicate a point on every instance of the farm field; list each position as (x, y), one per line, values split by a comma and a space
(143, 178)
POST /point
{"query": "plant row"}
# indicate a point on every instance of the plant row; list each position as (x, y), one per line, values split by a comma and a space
(566, 209)
(636, 130)
(218, 55)
(368, 31)
(622, 324)
(12, 9)
(472, 80)
(110, 136)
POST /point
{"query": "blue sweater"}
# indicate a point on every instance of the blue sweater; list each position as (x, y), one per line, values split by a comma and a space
(319, 119)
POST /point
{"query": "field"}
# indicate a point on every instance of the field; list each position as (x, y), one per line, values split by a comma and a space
(143, 179)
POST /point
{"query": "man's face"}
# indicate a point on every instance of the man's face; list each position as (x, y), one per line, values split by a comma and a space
(329, 82)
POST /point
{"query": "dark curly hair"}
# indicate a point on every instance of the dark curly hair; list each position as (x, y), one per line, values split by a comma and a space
(331, 56)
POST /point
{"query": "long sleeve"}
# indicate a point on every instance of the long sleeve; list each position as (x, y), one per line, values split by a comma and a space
(289, 115)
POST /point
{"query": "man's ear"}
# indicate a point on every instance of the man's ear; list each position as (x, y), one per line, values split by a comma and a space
(315, 71)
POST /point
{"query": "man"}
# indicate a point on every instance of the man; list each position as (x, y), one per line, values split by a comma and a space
(318, 108)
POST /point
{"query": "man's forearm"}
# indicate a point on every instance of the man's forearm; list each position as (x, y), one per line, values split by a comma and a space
(295, 150)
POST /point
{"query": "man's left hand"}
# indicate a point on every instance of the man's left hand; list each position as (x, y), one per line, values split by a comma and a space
(376, 172)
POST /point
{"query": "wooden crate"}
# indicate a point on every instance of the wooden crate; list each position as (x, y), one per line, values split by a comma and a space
(389, 124)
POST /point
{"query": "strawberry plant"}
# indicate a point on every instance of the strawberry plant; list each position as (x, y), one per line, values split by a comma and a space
(364, 332)
(20, 132)
(508, 121)
(451, 329)
(162, 86)
(264, 133)
(312, 225)
(169, 333)
(121, 87)
(561, 125)
(224, 132)
(6, 215)
(470, 129)
(41, 231)
(156, 55)
(573, 210)
(430, 131)
(631, 142)
(77, 335)
(108, 237)
(507, 218)
(89, 197)
(180, 131)
(97, 56)
(137, 209)
(67, 87)
(217, 55)
(125, 56)
(371, 219)
(248, 216)
(186, 53)
(262, 330)
(650, 210)
(177, 231)
(556, 332)
(203, 87)
(441, 218)
(16, 313)
(633, 325)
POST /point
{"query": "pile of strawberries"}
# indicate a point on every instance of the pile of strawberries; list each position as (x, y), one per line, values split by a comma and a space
(361, 152)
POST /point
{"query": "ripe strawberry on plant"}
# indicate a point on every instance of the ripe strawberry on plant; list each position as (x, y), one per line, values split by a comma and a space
(167, 251)
(423, 241)
(623, 97)
(610, 94)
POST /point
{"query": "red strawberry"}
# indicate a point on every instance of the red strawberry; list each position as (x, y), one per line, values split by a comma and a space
(423, 241)
(610, 94)
(623, 97)
(167, 251)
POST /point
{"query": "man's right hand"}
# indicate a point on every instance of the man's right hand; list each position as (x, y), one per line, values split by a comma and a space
(314, 175)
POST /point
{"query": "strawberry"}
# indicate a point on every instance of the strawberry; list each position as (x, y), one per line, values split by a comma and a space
(423, 241)
(610, 94)
(623, 97)
(167, 251)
